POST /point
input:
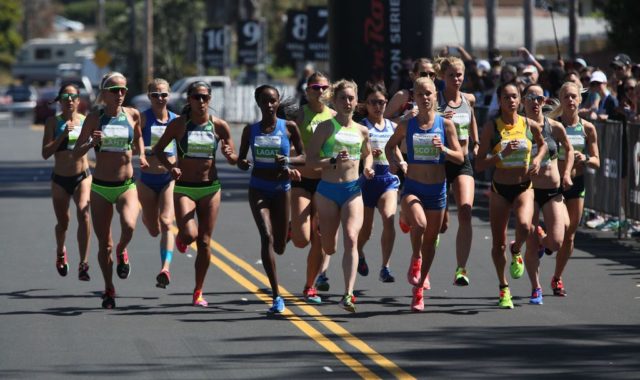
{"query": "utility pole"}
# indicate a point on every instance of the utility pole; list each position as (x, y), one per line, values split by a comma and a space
(574, 47)
(430, 18)
(467, 26)
(528, 25)
(100, 16)
(148, 48)
(491, 24)
(131, 61)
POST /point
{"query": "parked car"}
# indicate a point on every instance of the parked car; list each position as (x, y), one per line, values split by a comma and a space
(178, 96)
(62, 24)
(19, 99)
(44, 108)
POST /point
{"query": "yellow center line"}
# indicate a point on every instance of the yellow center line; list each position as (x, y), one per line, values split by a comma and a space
(303, 326)
(334, 327)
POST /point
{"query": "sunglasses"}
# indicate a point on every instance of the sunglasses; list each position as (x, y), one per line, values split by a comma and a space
(200, 97)
(429, 74)
(117, 89)
(157, 95)
(319, 87)
(535, 98)
(377, 102)
(69, 96)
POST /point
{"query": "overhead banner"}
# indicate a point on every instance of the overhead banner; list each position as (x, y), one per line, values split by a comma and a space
(603, 185)
(633, 171)
(370, 39)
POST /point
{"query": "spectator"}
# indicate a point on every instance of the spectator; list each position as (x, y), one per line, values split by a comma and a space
(507, 75)
(621, 66)
(608, 103)
(302, 83)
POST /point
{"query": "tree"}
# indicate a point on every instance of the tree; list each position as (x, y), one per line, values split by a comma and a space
(622, 16)
(10, 40)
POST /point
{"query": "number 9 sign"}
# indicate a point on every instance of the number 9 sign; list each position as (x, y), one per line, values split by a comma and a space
(250, 41)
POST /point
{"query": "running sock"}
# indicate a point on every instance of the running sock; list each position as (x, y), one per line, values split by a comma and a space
(503, 286)
(166, 256)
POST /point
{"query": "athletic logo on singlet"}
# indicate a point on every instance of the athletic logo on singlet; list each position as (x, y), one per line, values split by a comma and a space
(115, 138)
(266, 148)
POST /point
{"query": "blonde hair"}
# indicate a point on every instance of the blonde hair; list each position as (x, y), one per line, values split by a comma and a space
(106, 79)
(153, 85)
(330, 94)
(445, 63)
(563, 90)
(426, 81)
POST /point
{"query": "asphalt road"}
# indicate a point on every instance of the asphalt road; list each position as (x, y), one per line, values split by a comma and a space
(53, 327)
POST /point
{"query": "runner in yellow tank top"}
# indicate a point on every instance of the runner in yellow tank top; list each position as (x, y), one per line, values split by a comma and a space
(510, 138)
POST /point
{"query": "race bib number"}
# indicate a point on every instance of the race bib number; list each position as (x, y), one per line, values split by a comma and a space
(156, 132)
(349, 142)
(115, 138)
(518, 158)
(462, 121)
(266, 148)
(201, 144)
(423, 148)
(73, 137)
(379, 142)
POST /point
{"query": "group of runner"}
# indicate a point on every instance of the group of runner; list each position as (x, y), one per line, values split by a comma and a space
(323, 170)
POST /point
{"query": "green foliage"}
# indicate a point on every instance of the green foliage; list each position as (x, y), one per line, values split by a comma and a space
(10, 40)
(86, 11)
(622, 16)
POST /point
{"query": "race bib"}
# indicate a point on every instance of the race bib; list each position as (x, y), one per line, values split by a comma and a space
(518, 158)
(462, 121)
(73, 137)
(576, 141)
(379, 142)
(156, 132)
(115, 138)
(201, 144)
(266, 148)
(423, 148)
(349, 142)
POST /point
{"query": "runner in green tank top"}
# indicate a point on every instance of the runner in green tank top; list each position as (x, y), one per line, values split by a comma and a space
(304, 220)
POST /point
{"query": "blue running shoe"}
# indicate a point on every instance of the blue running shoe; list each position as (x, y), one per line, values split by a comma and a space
(536, 297)
(277, 307)
(386, 276)
(322, 282)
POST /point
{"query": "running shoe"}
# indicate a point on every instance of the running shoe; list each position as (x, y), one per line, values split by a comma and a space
(124, 268)
(348, 303)
(180, 246)
(417, 302)
(413, 275)
(61, 263)
(536, 297)
(505, 301)
(460, 278)
(541, 235)
(517, 263)
(558, 287)
(109, 299)
(83, 272)
(322, 282)
(363, 268)
(404, 227)
(277, 307)
(163, 279)
(386, 276)
(198, 299)
(595, 222)
(611, 225)
(548, 252)
(311, 295)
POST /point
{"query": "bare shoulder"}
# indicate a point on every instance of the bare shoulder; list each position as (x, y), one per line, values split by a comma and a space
(470, 98)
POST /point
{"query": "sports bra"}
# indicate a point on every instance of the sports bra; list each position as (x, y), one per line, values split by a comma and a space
(552, 145)
(117, 133)
(577, 138)
(198, 141)
(70, 142)
(503, 133)
(265, 146)
(343, 138)
(420, 148)
(311, 121)
(461, 115)
(378, 139)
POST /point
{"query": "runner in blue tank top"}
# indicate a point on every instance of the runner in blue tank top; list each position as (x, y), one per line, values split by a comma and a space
(113, 132)
(430, 141)
(155, 186)
(70, 178)
(381, 191)
(196, 192)
(269, 197)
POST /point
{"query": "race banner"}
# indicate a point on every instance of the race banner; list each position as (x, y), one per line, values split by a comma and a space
(296, 32)
(215, 47)
(318, 34)
(633, 172)
(602, 186)
(251, 35)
